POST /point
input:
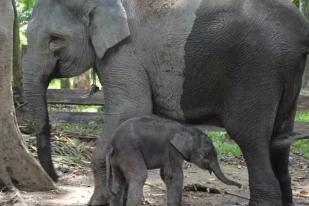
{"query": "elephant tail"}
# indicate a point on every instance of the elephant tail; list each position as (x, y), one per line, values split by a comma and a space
(287, 139)
(109, 171)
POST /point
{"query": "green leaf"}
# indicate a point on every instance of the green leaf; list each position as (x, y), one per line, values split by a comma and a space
(28, 4)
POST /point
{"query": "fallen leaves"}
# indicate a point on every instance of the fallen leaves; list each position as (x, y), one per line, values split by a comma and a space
(302, 192)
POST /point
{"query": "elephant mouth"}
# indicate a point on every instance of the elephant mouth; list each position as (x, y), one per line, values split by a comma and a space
(210, 171)
(207, 167)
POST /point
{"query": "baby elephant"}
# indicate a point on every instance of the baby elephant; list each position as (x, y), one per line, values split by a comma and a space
(151, 142)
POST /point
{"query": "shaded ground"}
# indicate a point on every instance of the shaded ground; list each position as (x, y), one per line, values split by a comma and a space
(75, 186)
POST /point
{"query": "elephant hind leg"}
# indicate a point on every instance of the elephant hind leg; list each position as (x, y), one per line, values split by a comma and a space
(280, 165)
(280, 155)
(134, 170)
(280, 162)
(118, 188)
(264, 186)
(252, 131)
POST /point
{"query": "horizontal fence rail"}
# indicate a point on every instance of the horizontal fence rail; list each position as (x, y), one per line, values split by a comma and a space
(74, 97)
(81, 97)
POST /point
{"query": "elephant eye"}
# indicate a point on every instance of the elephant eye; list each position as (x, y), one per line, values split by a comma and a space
(56, 43)
(54, 38)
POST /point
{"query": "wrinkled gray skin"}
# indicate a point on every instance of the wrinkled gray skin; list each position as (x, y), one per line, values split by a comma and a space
(233, 63)
(151, 142)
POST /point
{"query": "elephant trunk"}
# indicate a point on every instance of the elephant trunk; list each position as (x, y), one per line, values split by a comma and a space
(35, 84)
(215, 167)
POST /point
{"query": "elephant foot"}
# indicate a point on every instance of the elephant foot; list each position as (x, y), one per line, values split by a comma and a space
(263, 199)
(287, 200)
(98, 200)
(266, 203)
(54, 177)
(52, 174)
(288, 204)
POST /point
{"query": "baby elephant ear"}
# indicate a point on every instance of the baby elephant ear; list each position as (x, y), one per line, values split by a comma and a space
(183, 143)
(108, 25)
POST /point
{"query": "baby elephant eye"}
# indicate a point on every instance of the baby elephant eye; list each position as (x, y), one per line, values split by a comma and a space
(203, 156)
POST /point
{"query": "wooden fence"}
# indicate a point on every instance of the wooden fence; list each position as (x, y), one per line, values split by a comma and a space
(79, 97)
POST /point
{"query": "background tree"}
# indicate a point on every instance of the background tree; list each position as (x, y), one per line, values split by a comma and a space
(16, 163)
(17, 70)
(304, 7)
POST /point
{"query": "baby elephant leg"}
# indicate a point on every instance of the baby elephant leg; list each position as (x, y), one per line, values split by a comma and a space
(135, 172)
(118, 187)
(174, 184)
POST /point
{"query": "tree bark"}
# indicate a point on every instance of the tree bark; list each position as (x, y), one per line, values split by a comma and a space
(16, 163)
(304, 7)
(17, 71)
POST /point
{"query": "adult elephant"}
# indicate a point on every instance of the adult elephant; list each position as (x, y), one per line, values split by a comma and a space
(233, 63)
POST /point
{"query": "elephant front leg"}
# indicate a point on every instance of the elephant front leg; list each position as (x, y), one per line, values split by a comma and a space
(98, 164)
(44, 155)
(127, 94)
(174, 185)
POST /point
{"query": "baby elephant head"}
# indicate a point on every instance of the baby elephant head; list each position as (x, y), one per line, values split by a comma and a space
(196, 147)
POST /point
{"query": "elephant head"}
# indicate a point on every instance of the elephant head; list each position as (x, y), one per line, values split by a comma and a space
(65, 38)
(198, 149)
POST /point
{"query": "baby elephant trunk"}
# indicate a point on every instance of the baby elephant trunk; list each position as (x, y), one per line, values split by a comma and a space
(215, 167)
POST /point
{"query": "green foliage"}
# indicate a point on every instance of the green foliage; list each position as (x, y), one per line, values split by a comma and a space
(75, 108)
(68, 151)
(24, 9)
(72, 152)
(296, 2)
(303, 145)
(29, 4)
(225, 147)
(302, 116)
(91, 128)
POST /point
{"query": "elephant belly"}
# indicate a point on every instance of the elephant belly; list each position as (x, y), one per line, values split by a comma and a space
(166, 57)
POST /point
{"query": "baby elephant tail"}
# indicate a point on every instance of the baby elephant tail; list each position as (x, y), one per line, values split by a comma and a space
(287, 139)
(109, 171)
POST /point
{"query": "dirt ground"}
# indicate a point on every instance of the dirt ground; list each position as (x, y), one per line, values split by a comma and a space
(76, 186)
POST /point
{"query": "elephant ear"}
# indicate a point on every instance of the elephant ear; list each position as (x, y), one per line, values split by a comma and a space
(183, 143)
(108, 25)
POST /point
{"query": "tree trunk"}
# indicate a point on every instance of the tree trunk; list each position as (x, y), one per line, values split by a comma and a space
(16, 163)
(17, 72)
(304, 9)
